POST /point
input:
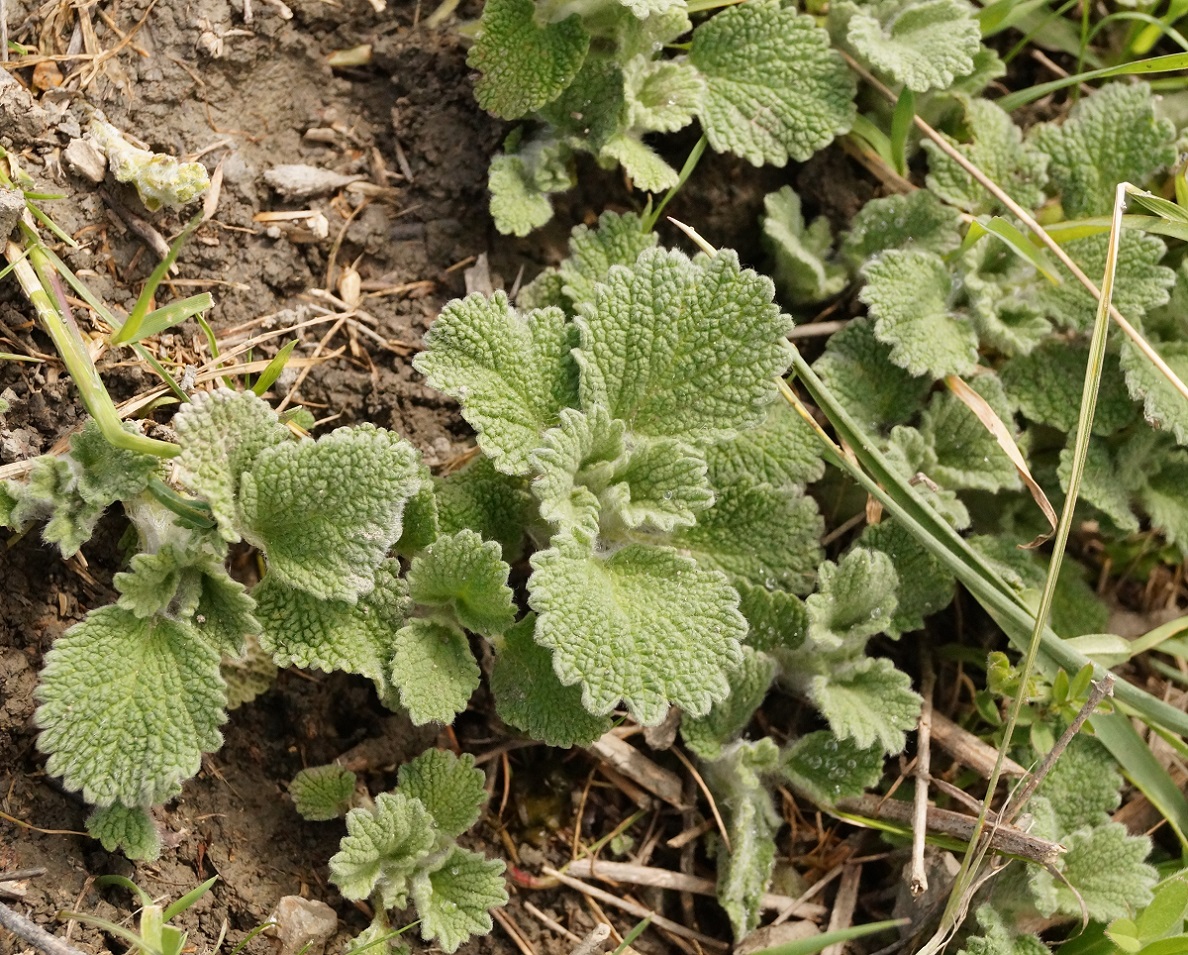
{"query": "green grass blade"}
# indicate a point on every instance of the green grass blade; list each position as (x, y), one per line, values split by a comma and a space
(130, 331)
(52, 226)
(651, 218)
(901, 126)
(274, 368)
(810, 946)
(176, 908)
(172, 314)
(1169, 63)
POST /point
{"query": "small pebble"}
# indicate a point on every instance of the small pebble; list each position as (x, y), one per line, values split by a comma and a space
(303, 925)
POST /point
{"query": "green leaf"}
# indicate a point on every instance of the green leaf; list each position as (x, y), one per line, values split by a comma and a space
(1165, 915)
(434, 670)
(993, 143)
(644, 625)
(482, 499)
(1082, 787)
(1162, 496)
(923, 44)
(512, 373)
(305, 631)
(455, 898)
(467, 576)
(326, 513)
(998, 939)
(221, 433)
(104, 473)
(857, 367)
(420, 521)
(322, 792)
(925, 585)
(103, 726)
(50, 494)
(523, 65)
(383, 849)
(909, 292)
(777, 621)
(248, 675)
(590, 474)
(774, 87)
(618, 240)
(870, 702)
(708, 735)
(1140, 284)
(1105, 867)
(757, 534)
(530, 697)
(1046, 385)
(129, 830)
(783, 451)
(1163, 406)
(919, 220)
(518, 204)
(800, 252)
(827, 768)
(855, 599)
(662, 95)
(752, 823)
(226, 614)
(1109, 137)
(591, 111)
(641, 163)
(449, 786)
(967, 455)
(644, 9)
(680, 348)
(379, 938)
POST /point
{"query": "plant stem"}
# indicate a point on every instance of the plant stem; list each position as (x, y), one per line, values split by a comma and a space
(34, 934)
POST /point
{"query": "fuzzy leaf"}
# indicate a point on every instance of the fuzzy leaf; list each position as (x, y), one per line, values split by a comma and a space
(618, 240)
(248, 675)
(1108, 138)
(220, 434)
(379, 938)
(512, 373)
(327, 512)
(322, 792)
(104, 473)
(707, 736)
(752, 823)
(918, 220)
(829, 769)
(908, 291)
(1162, 497)
(925, 585)
(434, 670)
(1141, 283)
(1105, 867)
(305, 631)
(482, 499)
(774, 87)
(642, 164)
(132, 732)
(382, 849)
(523, 65)
(467, 576)
(967, 454)
(590, 112)
(855, 599)
(662, 95)
(871, 703)
(643, 625)
(226, 614)
(680, 348)
(758, 535)
(923, 44)
(530, 697)
(1046, 385)
(1163, 406)
(50, 494)
(125, 829)
(997, 939)
(449, 786)
(518, 204)
(783, 451)
(420, 523)
(454, 899)
(647, 8)
(857, 367)
(589, 470)
(777, 621)
(993, 143)
(801, 252)
(1082, 787)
